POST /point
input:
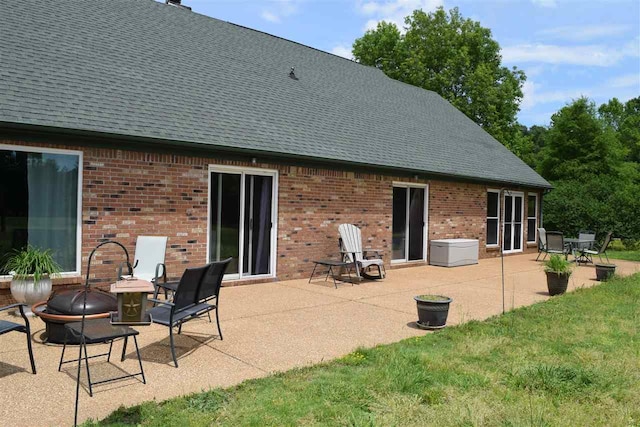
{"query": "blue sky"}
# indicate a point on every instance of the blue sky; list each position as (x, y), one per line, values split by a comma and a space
(566, 48)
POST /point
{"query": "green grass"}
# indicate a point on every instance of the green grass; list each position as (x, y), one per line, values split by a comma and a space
(624, 255)
(570, 361)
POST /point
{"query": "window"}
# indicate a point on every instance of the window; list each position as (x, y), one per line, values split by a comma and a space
(532, 217)
(242, 212)
(40, 202)
(493, 214)
(408, 222)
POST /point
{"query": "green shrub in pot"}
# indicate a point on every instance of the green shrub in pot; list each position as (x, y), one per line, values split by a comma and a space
(31, 270)
(558, 271)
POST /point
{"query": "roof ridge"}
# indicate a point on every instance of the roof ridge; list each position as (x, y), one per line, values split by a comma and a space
(265, 33)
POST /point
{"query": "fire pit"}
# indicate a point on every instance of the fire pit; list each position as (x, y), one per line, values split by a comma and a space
(66, 307)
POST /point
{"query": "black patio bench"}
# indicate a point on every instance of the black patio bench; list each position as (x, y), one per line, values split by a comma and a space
(196, 294)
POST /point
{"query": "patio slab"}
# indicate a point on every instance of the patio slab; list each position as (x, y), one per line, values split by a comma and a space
(267, 327)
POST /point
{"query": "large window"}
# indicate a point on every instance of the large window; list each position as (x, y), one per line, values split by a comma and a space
(242, 215)
(493, 217)
(409, 222)
(532, 217)
(40, 202)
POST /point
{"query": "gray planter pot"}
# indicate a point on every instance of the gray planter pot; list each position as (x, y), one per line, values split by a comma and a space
(432, 314)
(557, 282)
(28, 292)
(605, 271)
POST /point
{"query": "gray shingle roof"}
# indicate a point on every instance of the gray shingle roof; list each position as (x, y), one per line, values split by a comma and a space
(144, 69)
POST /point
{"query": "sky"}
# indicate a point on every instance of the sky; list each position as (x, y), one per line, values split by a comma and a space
(567, 48)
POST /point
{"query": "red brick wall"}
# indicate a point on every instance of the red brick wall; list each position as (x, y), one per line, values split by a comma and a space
(129, 193)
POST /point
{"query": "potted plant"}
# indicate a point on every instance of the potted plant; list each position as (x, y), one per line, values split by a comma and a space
(31, 270)
(432, 311)
(558, 270)
(605, 271)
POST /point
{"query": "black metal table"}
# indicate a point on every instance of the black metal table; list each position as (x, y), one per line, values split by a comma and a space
(331, 265)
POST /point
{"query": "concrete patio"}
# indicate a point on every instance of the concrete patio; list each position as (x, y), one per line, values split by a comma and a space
(267, 328)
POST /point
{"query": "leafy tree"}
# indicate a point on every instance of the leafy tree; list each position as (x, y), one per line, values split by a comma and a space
(455, 57)
(579, 144)
(625, 120)
(612, 113)
(587, 155)
(600, 204)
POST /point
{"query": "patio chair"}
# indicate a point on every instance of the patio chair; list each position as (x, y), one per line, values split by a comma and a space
(588, 253)
(351, 249)
(542, 243)
(556, 245)
(7, 326)
(196, 294)
(149, 263)
(99, 331)
(587, 235)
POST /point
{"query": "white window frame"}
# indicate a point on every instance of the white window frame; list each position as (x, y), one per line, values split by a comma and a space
(46, 150)
(513, 195)
(498, 232)
(243, 171)
(535, 217)
(425, 245)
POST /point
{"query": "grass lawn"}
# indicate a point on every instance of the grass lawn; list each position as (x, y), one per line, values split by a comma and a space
(571, 361)
(624, 255)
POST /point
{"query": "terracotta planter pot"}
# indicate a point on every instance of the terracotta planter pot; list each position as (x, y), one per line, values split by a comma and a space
(605, 271)
(432, 314)
(557, 282)
(28, 292)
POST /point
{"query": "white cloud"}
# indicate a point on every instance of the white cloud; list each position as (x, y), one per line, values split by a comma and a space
(279, 9)
(591, 55)
(534, 70)
(584, 32)
(342, 50)
(271, 17)
(532, 95)
(628, 80)
(393, 11)
(623, 87)
(545, 3)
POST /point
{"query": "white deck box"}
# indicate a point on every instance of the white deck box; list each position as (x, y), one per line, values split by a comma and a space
(453, 252)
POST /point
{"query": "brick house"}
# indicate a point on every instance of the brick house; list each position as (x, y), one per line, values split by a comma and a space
(127, 118)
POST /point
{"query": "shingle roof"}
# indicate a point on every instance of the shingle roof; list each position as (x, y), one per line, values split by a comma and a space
(140, 68)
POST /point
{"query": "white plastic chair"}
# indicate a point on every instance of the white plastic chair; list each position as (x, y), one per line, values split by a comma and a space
(148, 262)
(351, 242)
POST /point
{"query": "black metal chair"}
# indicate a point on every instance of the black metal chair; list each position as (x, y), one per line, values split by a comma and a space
(588, 253)
(95, 331)
(196, 294)
(556, 245)
(7, 326)
(100, 331)
(587, 235)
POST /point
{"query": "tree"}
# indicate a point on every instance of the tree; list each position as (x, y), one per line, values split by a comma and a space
(586, 155)
(579, 144)
(453, 56)
(625, 120)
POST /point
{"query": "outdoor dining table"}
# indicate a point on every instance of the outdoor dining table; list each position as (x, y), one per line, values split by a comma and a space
(578, 246)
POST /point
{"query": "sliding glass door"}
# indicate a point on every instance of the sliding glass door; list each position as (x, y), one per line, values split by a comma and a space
(242, 212)
(512, 237)
(408, 225)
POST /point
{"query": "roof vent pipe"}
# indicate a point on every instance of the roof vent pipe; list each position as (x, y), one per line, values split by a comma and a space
(177, 3)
